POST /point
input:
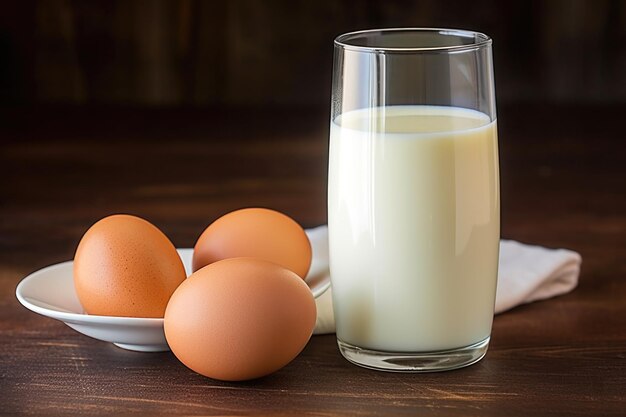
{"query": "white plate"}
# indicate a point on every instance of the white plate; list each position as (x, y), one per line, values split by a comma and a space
(50, 292)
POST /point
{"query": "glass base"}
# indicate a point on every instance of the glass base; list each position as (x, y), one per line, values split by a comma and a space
(442, 360)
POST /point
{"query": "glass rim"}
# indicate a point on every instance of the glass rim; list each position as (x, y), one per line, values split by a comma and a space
(481, 40)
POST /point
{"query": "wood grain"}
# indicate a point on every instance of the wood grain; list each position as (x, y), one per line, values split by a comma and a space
(563, 173)
(238, 52)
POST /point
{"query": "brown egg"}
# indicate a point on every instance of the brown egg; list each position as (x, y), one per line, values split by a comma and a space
(125, 266)
(257, 233)
(239, 319)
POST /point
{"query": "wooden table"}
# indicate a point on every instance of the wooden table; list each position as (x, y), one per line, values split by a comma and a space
(563, 185)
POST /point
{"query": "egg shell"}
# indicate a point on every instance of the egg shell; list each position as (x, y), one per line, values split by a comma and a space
(125, 266)
(258, 233)
(239, 319)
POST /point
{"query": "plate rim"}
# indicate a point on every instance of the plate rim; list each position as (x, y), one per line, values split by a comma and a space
(83, 318)
(76, 318)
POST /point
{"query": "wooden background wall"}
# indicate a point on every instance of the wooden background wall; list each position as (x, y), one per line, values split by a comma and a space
(248, 52)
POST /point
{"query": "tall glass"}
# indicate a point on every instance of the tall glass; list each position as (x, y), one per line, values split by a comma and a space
(413, 198)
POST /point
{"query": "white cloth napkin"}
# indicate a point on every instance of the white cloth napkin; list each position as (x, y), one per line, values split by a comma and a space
(526, 273)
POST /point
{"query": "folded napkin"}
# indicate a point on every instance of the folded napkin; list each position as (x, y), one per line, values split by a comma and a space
(526, 273)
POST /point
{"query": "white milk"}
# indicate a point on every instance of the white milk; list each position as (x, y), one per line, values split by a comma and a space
(414, 223)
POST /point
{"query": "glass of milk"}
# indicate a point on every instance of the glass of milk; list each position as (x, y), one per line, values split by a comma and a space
(413, 198)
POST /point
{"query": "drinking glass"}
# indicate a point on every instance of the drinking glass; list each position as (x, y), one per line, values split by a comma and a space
(413, 198)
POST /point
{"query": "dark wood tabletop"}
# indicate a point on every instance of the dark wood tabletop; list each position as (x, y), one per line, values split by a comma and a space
(563, 185)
